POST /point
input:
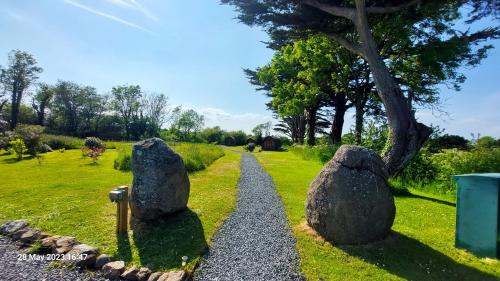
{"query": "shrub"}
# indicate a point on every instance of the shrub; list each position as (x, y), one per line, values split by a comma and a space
(250, 147)
(31, 136)
(93, 148)
(123, 161)
(57, 142)
(433, 172)
(17, 147)
(5, 139)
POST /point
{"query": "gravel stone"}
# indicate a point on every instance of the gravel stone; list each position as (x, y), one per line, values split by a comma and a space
(255, 242)
(35, 270)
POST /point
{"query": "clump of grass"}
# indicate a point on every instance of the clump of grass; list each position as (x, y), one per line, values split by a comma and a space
(58, 142)
(196, 156)
(123, 161)
(322, 153)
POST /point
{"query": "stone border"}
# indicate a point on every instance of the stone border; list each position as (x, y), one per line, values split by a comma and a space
(74, 253)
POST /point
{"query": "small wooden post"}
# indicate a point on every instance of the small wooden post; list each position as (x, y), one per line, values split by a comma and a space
(123, 210)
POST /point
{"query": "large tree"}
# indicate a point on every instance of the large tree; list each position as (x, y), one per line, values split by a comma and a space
(41, 102)
(22, 71)
(126, 102)
(359, 26)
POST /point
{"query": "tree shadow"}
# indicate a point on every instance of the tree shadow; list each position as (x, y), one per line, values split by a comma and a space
(435, 200)
(412, 260)
(14, 160)
(162, 245)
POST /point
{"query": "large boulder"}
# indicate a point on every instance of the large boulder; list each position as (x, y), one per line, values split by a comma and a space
(350, 202)
(161, 183)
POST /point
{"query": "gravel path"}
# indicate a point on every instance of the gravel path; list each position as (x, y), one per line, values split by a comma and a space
(33, 270)
(255, 243)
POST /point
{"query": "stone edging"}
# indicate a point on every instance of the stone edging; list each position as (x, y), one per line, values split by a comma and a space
(74, 253)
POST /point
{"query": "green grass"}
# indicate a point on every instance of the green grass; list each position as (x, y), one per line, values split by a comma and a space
(421, 246)
(68, 195)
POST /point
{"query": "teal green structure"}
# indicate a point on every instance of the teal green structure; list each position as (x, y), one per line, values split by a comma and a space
(478, 214)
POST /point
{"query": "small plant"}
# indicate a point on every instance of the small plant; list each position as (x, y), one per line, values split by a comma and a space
(93, 148)
(124, 160)
(250, 147)
(31, 136)
(17, 147)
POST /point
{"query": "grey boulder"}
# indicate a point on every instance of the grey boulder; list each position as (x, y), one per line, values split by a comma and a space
(160, 185)
(11, 227)
(350, 202)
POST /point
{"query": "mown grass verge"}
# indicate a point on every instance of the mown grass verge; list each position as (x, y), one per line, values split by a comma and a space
(66, 194)
(421, 246)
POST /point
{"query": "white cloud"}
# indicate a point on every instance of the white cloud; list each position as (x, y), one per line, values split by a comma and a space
(233, 121)
(133, 4)
(106, 15)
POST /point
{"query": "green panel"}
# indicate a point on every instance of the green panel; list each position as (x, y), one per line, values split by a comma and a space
(478, 214)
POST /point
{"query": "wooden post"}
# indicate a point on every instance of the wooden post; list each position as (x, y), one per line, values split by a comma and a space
(123, 213)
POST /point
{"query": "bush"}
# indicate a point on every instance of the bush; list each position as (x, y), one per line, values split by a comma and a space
(93, 148)
(250, 147)
(123, 161)
(5, 139)
(433, 172)
(31, 136)
(58, 142)
(17, 147)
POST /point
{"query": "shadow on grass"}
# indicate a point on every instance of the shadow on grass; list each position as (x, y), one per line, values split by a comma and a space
(162, 245)
(14, 160)
(412, 260)
(124, 248)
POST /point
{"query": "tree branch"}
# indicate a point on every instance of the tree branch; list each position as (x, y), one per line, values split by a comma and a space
(347, 13)
(353, 47)
(391, 9)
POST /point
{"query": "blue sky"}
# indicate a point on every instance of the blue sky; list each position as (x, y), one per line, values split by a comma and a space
(194, 52)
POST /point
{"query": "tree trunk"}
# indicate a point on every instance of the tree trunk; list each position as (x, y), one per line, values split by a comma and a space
(2, 104)
(311, 125)
(406, 135)
(360, 111)
(340, 105)
(14, 109)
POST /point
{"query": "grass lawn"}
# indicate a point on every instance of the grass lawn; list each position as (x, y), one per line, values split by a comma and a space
(420, 248)
(68, 195)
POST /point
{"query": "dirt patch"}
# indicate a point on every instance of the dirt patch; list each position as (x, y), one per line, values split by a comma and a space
(305, 228)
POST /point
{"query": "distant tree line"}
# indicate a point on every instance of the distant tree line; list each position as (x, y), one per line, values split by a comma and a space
(125, 113)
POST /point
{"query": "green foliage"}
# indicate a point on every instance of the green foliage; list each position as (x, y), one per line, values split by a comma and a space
(446, 141)
(31, 136)
(322, 153)
(487, 142)
(18, 148)
(57, 142)
(240, 137)
(433, 172)
(123, 161)
(250, 147)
